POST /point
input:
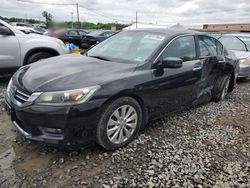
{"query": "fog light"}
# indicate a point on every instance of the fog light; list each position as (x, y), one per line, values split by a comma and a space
(53, 131)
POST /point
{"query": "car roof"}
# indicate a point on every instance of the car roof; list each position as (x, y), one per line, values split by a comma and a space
(237, 34)
(70, 29)
(169, 31)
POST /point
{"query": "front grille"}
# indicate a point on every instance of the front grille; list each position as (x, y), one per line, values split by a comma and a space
(21, 96)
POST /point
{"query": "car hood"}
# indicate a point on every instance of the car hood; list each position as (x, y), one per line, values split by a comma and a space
(241, 54)
(37, 36)
(70, 72)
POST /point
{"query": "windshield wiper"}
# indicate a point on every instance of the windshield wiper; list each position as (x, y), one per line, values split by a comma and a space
(100, 57)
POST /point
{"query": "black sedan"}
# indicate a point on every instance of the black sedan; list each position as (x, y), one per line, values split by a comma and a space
(70, 35)
(95, 37)
(111, 92)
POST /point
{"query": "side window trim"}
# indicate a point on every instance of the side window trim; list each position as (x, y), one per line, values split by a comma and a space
(167, 44)
(222, 52)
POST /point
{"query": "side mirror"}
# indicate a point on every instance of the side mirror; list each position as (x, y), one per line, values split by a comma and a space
(171, 62)
(5, 31)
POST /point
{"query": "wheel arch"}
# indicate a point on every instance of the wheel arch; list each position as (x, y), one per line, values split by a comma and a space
(141, 102)
(40, 49)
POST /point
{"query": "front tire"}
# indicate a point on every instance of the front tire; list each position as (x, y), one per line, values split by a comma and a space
(38, 56)
(119, 123)
(221, 88)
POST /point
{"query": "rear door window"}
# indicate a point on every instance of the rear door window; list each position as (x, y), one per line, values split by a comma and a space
(82, 33)
(72, 33)
(208, 46)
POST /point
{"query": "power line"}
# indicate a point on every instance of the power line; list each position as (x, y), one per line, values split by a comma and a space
(77, 5)
(102, 15)
(44, 3)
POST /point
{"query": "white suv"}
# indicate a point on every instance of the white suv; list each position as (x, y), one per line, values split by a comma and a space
(18, 49)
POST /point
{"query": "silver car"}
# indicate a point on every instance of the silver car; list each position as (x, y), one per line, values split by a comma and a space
(18, 49)
(240, 45)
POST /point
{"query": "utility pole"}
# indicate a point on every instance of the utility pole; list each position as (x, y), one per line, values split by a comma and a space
(136, 19)
(78, 20)
(72, 18)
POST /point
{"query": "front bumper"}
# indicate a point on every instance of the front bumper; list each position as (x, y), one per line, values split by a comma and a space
(244, 71)
(72, 125)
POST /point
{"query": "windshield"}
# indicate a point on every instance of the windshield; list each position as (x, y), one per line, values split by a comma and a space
(96, 32)
(233, 43)
(246, 40)
(134, 46)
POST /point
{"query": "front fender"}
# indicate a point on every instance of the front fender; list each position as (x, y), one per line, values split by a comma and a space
(29, 44)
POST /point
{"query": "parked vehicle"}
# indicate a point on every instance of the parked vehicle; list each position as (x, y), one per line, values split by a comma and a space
(28, 28)
(95, 37)
(109, 93)
(240, 45)
(70, 35)
(21, 24)
(18, 49)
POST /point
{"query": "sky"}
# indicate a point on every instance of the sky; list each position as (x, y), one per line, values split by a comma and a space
(162, 12)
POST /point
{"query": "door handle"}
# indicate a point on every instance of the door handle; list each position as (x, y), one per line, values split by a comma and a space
(197, 66)
(221, 61)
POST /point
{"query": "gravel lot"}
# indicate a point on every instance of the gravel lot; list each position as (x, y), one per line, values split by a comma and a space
(204, 147)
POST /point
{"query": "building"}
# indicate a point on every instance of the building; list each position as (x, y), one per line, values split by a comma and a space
(226, 27)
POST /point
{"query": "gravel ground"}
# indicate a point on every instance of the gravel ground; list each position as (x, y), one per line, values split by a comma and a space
(204, 147)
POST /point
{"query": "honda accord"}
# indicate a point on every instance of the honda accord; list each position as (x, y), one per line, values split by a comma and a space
(108, 94)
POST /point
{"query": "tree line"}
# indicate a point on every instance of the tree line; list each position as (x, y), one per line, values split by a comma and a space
(65, 24)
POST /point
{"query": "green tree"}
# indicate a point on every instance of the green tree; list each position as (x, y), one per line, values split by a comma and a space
(48, 17)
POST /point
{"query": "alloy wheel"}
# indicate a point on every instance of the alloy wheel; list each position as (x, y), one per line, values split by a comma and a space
(122, 124)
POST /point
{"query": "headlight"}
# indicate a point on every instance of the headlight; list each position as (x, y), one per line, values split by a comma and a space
(61, 98)
(243, 61)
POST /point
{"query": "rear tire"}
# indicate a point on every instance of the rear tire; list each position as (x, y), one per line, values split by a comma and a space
(221, 88)
(110, 129)
(38, 56)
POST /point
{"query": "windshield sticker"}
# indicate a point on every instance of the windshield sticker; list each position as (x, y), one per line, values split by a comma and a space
(138, 59)
(155, 37)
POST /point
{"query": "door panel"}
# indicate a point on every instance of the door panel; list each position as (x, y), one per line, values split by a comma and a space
(72, 36)
(9, 52)
(210, 52)
(176, 88)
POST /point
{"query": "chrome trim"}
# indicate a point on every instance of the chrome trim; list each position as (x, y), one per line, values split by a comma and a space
(20, 129)
(33, 97)
(21, 97)
(24, 94)
(179, 36)
(183, 35)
